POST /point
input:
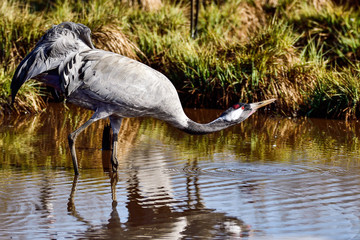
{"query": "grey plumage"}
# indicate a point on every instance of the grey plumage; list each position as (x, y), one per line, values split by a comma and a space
(111, 85)
(51, 52)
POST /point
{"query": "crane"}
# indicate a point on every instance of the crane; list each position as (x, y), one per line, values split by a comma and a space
(111, 85)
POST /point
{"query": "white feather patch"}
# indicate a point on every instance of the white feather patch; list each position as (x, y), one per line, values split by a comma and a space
(234, 115)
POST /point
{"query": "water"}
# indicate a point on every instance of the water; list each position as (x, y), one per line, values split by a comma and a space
(267, 178)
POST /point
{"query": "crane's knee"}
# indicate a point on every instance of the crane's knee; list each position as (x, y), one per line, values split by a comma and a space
(71, 139)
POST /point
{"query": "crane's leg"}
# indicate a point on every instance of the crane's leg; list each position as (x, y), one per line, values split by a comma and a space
(72, 136)
(106, 139)
(115, 125)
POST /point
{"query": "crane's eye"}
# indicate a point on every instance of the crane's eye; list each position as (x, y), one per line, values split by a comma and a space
(237, 106)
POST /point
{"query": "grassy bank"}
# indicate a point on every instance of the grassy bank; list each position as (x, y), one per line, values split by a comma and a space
(304, 53)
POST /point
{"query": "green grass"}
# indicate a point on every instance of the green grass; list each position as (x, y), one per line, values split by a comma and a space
(304, 53)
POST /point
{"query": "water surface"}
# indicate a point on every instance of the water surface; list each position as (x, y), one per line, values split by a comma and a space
(267, 178)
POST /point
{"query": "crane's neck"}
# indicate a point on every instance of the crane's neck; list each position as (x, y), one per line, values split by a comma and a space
(199, 128)
(233, 115)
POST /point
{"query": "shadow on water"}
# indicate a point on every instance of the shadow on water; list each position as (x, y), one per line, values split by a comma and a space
(267, 178)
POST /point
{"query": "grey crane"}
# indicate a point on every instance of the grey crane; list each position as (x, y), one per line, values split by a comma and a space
(111, 85)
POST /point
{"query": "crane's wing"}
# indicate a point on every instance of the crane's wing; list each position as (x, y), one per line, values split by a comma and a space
(53, 49)
(115, 80)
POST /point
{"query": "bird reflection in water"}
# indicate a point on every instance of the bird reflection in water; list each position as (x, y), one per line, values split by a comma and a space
(154, 212)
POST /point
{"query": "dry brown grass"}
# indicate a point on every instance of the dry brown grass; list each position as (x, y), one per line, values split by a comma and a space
(147, 5)
(253, 18)
(111, 38)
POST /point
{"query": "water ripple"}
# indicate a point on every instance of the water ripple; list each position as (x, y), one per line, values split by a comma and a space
(244, 185)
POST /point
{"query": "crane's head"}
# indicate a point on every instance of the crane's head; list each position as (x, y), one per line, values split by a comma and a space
(241, 111)
(54, 47)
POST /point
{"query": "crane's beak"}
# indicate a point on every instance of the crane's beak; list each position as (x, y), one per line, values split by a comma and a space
(257, 105)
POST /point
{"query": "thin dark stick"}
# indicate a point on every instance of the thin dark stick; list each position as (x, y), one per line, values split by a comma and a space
(196, 19)
(192, 18)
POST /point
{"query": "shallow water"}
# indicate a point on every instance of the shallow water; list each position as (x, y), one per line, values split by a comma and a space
(267, 178)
